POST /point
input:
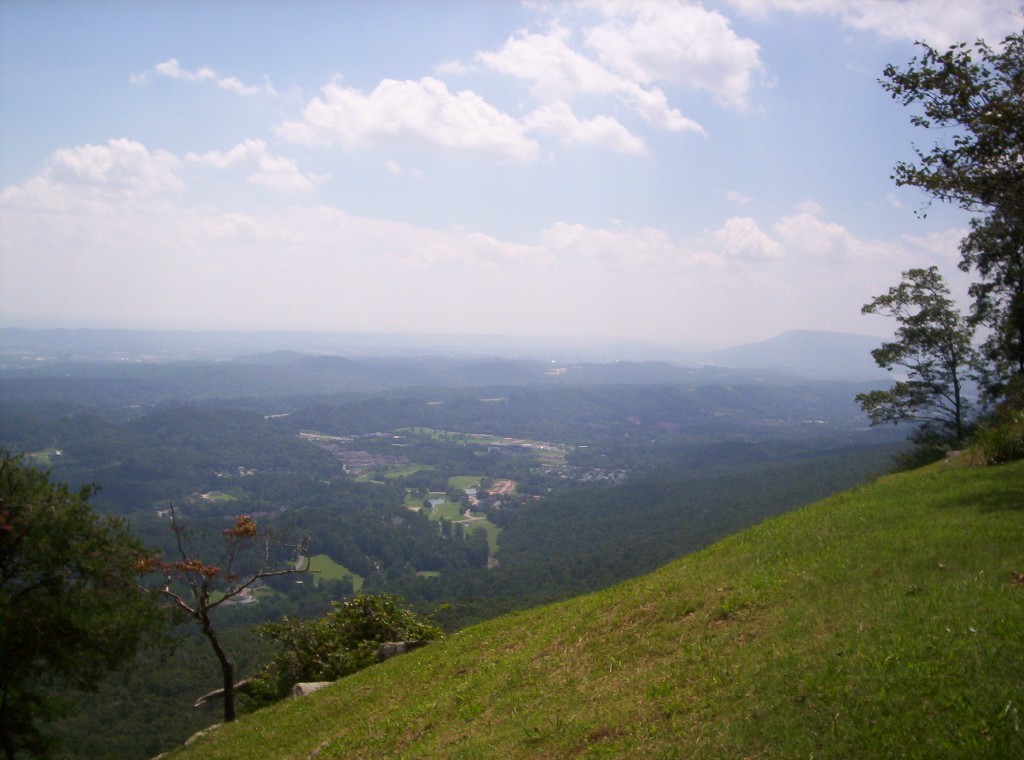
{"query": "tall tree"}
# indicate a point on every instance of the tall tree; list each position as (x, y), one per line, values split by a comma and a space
(933, 346)
(70, 606)
(197, 587)
(975, 95)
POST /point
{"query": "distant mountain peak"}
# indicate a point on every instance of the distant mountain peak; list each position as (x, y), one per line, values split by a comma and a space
(814, 353)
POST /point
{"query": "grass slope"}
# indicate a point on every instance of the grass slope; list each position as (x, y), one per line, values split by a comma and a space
(882, 622)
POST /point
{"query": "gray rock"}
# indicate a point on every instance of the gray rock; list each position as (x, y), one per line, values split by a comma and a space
(316, 753)
(304, 689)
(204, 732)
(391, 648)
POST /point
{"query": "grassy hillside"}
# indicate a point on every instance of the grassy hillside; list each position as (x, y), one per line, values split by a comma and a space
(883, 622)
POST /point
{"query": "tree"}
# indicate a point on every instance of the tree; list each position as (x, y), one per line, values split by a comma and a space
(933, 345)
(70, 607)
(976, 95)
(197, 588)
(995, 247)
(336, 644)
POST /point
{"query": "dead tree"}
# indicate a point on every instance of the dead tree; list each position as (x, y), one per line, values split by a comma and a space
(197, 587)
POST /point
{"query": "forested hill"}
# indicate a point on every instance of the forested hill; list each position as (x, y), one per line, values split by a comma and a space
(884, 621)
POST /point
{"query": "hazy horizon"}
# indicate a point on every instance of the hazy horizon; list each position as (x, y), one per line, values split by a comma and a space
(676, 174)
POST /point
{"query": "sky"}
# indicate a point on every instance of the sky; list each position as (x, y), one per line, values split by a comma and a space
(681, 173)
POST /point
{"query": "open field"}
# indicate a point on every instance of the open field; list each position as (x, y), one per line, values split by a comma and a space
(218, 497)
(548, 452)
(322, 567)
(490, 528)
(450, 510)
(462, 482)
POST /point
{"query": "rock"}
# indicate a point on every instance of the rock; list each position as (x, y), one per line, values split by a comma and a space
(204, 732)
(391, 648)
(316, 753)
(305, 689)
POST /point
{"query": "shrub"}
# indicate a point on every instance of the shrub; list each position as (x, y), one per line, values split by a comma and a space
(1003, 440)
(334, 645)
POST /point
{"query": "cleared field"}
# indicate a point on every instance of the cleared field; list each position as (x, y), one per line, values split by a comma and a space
(409, 469)
(40, 458)
(488, 527)
(218, 496)
(450, 510)
(463, 482)
(325, 568)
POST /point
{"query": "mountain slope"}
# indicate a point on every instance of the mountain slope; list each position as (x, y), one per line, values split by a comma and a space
(881, 622)
(812, 353)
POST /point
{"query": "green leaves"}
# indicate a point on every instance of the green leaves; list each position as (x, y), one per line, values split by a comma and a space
(933, 347)
(975, 95)
(336, 644)
(70, 607)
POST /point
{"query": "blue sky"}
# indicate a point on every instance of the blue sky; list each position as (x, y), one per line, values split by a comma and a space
(675, 172)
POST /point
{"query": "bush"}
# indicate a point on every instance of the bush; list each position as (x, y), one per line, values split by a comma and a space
(1001, 441)
(334, 645)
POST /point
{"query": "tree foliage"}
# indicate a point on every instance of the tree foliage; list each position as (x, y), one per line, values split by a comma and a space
(197, 587)
(933, 346)
(70, 606)
(336, 644)
(975, 95)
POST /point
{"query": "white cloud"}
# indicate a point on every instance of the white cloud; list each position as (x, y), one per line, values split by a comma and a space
(604, 131)
(811, 207)
(558, 73)
(234, 84)
(422, 110)
(171, 68)
(893, 202)
(113, 251)
(454, 67)
(619, 247)
(740, 237)
(938, 22)
(735, 196)
(554, 69)
(121, 167)
(677, 42)
(267, 170)
(806, 233)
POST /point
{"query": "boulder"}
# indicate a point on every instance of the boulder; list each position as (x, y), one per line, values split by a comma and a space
(391, 648)
(304, 689)
(202, 733)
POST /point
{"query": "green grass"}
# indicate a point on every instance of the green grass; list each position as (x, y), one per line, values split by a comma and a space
(219, 496)
(325, 568)
(40, 458)
(882, 622)
(462, 482)
(489, 528)
(411, 502)
(450, 510)
(404, 470)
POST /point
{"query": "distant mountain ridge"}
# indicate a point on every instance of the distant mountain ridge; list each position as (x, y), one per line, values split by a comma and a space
(812, 354)
(815, 353)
